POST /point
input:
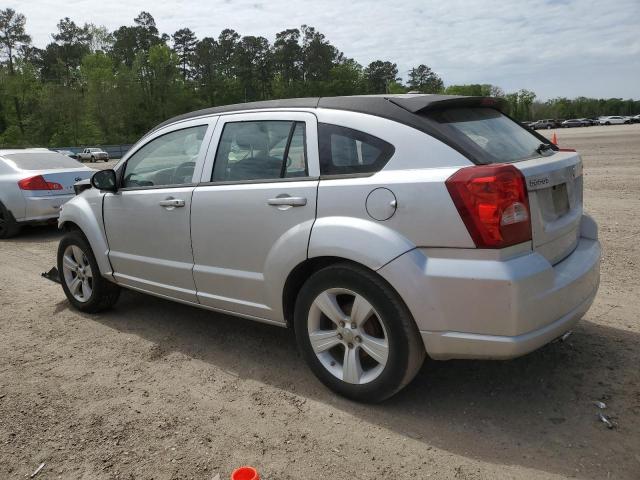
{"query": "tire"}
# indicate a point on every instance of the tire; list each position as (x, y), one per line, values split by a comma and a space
(93, 159)
(607, 123)
(8, 225)
(389, 323)
(102, 294)
(548, 127)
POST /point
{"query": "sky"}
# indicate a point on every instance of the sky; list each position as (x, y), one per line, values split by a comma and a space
(556, 48)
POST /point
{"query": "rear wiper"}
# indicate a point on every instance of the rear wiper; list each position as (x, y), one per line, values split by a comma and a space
(543, 147)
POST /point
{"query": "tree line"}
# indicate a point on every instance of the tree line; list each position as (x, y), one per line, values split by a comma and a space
(90, 86)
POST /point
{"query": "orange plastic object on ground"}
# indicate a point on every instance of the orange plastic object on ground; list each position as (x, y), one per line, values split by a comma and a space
(245, 473)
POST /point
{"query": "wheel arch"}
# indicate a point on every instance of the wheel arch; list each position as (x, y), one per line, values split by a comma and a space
(86, 217)
(299, 275)
(363, 243)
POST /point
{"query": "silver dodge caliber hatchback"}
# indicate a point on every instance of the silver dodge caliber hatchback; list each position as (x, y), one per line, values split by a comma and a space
(381, 228)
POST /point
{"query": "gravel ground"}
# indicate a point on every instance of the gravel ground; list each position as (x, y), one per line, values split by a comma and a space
(155, 389)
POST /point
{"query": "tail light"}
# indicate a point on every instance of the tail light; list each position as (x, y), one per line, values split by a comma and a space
(492, 201)
(38, 183)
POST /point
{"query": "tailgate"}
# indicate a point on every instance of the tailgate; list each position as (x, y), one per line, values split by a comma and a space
(67, 179)
(554, 184)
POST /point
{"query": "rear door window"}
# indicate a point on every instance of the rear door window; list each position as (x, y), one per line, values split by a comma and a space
(500, 138)
(346, 151)
(261, 150)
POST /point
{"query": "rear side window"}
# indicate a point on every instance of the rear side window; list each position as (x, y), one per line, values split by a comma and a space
(261, 150)
(500, 138)
(347, 151)
(40, 161)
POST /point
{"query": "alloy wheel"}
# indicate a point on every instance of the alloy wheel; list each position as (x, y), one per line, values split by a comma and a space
(77, 273)
(348, 336)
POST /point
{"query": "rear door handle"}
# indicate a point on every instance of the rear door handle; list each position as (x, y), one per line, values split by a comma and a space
(171, 203)
(287, 201)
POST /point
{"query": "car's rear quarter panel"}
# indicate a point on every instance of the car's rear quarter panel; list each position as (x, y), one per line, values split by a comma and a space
(425, 214)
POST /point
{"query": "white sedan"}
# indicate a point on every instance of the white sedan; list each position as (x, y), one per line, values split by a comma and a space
(613, 120)
(34, 183)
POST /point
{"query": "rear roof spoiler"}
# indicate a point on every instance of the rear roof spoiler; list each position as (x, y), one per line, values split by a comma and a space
(424, 103)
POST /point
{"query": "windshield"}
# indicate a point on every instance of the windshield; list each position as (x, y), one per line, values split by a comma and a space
(40, 161)
(499, 137)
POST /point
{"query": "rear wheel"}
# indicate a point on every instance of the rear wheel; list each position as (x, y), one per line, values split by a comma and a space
(8, 225)
(93, 159)
(356, 334)
(84, 286)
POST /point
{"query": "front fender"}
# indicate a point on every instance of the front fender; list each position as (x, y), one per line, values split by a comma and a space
(367, 242)
(85, 211)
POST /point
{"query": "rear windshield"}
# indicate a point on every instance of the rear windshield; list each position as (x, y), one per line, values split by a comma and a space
(500, 138)
(40, 161)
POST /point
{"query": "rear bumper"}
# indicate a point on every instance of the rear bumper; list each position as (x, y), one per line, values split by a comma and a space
(39, 209)
(494, 308)
(449, 345)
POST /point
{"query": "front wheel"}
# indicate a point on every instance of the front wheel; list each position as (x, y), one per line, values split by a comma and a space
(84, 286)
(356, 334)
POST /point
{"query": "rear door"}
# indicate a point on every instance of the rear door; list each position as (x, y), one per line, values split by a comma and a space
(147, 221)
(253, 211)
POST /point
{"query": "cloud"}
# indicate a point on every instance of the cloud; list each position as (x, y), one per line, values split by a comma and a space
(554, 47)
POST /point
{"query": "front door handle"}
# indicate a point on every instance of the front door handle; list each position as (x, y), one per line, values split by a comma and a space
(286, 201)
(171, 203)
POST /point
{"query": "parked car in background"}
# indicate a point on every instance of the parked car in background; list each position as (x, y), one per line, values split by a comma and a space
(613, 120)
(382, 228)
(635, 119)
(93, 155)
(575, 122)
(68, 153)
(545, 124)
(34, 183)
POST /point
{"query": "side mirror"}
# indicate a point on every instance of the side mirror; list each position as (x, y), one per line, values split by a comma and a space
(105, 180)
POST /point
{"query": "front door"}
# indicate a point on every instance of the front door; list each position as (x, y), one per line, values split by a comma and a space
(147, 220)
(253, 211)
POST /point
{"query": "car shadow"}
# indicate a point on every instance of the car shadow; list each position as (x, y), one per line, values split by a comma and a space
(37, 234)
(536, 411)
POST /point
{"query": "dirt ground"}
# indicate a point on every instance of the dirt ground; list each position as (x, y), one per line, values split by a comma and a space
(155, 389)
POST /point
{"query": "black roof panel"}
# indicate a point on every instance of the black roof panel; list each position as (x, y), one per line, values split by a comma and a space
(381, 105)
